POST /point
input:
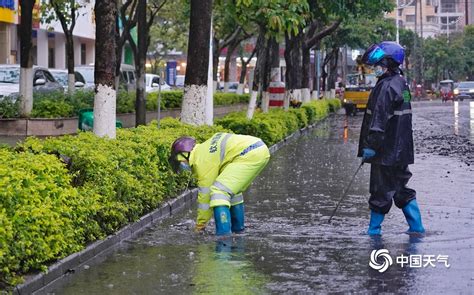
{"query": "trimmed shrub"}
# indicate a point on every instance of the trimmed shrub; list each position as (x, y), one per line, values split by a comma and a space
(275, 125)
(48, 211)
(48, 108)
(41, 214)
(9, 107)
(59, 104)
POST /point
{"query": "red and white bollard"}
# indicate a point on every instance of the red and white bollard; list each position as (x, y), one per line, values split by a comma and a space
(276, 92)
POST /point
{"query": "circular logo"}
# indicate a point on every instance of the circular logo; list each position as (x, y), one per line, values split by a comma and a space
(384, 255)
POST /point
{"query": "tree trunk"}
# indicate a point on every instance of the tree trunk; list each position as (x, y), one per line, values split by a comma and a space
(333, 71)
(26, 59)
(195, 84)
(118, 55)
(243, 72)
(70, 63)
(140, 101)
(228, 57)
(293, 58)
(306, 68)
(262, 52)
(216, 51)
(272, 70)
(104, 73)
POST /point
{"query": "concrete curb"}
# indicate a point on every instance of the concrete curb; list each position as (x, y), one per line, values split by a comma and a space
(68, 265)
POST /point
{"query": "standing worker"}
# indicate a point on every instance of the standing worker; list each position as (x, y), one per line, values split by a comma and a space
(386, 139)
(224, 166)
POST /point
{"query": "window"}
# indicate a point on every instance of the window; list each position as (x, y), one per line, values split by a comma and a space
(83, 54)
(49, 76)
(410, 18)
(38, 75)
(131, 77)
(51, 58)
(431, 19)
(448, 6)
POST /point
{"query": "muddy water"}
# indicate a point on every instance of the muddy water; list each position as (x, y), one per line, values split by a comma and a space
(289, 247)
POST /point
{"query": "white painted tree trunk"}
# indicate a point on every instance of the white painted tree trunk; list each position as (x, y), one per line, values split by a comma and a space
(209, 112)
(291, 95)
(71, 83)
(214, 85)
(306, 95)
(240, 89)
(327, 94)
(252, 105)
(226, 87)
(332, 93)
(194, 105)
(314, 95)
(104, 111)
(265, 101)
(26, 91)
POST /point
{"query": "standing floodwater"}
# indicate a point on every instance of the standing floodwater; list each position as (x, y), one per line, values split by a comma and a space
(288, 246)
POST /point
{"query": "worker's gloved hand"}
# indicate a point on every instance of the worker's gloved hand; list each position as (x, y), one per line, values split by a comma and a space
(367, 154)
(200, 228)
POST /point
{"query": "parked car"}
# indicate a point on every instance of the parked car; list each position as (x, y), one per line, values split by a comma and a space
(62, 77)
(127, 77)
(43, 81)
(152, 83)
(232, 86)
(464, 90)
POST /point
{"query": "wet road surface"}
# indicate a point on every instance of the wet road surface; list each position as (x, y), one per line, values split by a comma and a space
(288, 246)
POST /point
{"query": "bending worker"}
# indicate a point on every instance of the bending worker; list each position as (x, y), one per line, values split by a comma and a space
(224, 166)
(386, 139)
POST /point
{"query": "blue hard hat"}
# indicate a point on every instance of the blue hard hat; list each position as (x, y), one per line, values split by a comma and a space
(376, 53)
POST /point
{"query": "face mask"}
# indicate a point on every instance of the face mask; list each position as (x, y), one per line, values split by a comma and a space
(379, 71)
(183, 166)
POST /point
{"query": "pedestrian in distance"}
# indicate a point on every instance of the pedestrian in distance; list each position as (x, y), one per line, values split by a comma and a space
(224, 165)
(386, 138)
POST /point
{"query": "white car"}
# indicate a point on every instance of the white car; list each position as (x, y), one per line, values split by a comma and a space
(152, 83)
(43, 81)
(62, 77)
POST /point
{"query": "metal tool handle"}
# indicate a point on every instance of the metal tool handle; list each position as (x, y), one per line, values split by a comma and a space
(344, 192)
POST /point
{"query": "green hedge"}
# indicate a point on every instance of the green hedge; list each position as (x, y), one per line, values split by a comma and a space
(48, 211)
(277, 124)
(56, 105)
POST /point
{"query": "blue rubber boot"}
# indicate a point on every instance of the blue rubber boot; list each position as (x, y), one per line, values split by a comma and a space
(222, 218)
(375, 225)
(413, 217)
(237, 217)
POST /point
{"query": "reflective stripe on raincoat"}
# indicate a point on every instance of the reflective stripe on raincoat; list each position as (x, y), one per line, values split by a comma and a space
(224, 166)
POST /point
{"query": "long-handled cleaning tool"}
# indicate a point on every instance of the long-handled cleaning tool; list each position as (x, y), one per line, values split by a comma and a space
(344, 192)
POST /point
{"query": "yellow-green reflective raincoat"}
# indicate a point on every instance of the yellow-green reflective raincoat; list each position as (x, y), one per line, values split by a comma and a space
(225, 165)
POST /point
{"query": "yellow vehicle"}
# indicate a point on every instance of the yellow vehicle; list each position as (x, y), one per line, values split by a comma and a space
(357, 91)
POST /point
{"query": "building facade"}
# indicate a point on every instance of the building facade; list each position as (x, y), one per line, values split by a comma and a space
(49, 45)
(433, 17)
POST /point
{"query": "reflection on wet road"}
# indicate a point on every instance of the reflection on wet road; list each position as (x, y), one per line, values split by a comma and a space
(289, 247)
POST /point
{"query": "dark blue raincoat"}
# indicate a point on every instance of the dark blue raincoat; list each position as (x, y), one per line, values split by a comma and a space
(387, 124)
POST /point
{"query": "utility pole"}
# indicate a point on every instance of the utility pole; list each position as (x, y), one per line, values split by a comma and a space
(421, 42)
(415, 45)
(397, 11)
(466, 11)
